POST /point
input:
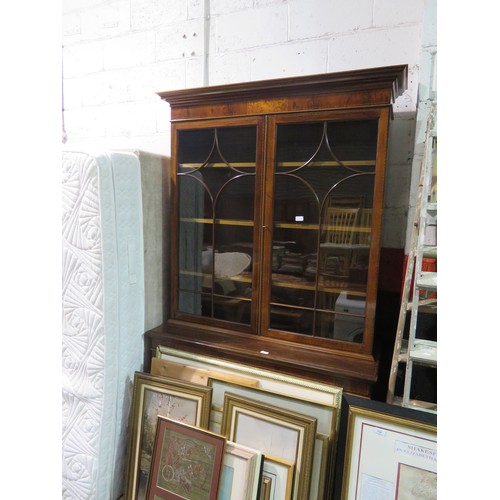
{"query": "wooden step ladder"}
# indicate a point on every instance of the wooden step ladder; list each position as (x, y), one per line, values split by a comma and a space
(419, 294)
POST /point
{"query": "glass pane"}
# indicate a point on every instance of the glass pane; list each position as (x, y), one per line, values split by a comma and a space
(216, 187)
(324, 181)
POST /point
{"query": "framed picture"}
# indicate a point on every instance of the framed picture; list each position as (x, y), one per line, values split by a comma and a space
(275, 431)
(265, 490)
(153, 396)
(186, 462)
(278, 475)
(241, 472)
(321, 401)
(385, 452)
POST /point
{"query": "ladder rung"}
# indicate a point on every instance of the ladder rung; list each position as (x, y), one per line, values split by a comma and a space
(424, 352)
(416, 404)
(430, 252)
(431, 207)
(427, 280)
(428, 305)
(428, 308)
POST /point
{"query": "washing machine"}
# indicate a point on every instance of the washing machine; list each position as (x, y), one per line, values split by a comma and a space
(347, 327)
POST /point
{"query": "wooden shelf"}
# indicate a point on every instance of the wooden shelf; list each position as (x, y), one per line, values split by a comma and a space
(282, 225)
(285, 164)
(228, 222)
(326, 285)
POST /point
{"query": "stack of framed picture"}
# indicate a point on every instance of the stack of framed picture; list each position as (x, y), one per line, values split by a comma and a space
(279, 431)
(203, 428)
(172, 452)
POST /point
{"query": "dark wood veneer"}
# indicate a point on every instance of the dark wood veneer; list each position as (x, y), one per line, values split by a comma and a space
(364, 93)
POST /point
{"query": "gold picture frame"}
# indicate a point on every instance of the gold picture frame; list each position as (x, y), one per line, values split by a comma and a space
(385, 450)
(279, 475)
(154, 396)
(277, 432)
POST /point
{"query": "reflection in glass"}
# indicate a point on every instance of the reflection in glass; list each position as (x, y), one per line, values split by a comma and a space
(216, 189)
(323, 199)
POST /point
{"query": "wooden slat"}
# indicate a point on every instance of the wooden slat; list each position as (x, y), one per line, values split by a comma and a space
(197, 375)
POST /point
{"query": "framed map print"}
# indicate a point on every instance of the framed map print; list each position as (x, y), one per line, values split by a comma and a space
(385, 452)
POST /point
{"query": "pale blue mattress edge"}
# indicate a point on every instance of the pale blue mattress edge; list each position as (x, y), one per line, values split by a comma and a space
(121, 226)
(121, 213)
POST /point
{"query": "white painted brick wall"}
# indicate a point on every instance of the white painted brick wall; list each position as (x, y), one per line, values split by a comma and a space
(82, 59)
(118, 54)
(246, 29)
(105, 20)
(292, 59)
(181, 40)
(317, 18)
(375, 47)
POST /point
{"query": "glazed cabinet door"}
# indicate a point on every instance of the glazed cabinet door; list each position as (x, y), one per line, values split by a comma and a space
(215, 201)
(324, 193)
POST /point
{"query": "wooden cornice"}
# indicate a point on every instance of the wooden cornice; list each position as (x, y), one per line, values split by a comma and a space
(387, 77)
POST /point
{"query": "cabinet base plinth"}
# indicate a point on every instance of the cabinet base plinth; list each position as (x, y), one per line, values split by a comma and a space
(355, 374)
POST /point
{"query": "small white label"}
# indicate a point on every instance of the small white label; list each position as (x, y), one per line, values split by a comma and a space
(299, 218)
(264, 352)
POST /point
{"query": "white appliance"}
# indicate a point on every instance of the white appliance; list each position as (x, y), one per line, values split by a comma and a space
(349, 321)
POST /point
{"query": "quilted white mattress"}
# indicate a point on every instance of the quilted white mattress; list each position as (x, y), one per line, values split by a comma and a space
(103, 317)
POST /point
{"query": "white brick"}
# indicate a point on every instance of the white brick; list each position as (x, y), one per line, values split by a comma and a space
(158, 143)
(74, 5)
(105, 87)
(72, 93)
(231, 67)
(194, 72)
(148, 14)
(147, 81)
(129, 51)
(261, 3)
(396, 12)
(375, 47)
(184, 39)
(71, 26)
(195, 9)
(316, 18)
(162, 117)
(222, 7)
(292, 59)
(79, 60)
(85, 122)
(255, 28)
(106, 20)
(132, 118)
